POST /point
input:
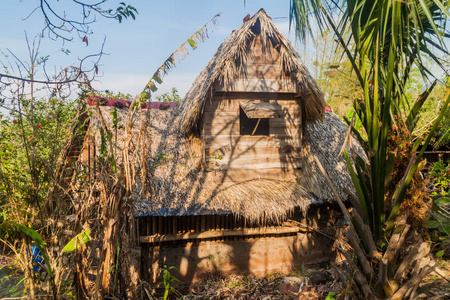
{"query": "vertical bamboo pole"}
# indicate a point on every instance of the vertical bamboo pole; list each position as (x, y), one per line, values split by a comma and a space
(154, 225)
(203, 223)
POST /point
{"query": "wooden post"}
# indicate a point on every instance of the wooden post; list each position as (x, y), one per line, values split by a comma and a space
(175, 225)
(148, 221)
(160, 226)
(138, 230)
(214, 223)
(203, 222)
(154, 225)
(197, 222)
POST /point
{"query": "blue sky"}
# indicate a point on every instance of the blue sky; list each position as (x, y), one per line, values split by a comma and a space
(137, 48)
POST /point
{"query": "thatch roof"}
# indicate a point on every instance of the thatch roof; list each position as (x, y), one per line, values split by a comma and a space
(226, 66)
(173, 179)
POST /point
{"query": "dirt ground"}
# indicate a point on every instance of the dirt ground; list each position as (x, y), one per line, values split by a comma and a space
(304, 284)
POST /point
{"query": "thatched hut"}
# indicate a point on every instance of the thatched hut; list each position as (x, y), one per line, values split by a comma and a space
(217, 177)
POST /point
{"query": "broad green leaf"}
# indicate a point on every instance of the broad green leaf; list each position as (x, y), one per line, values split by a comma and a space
(77, 241)
(433, 224)
(36, 237)
(440, 253)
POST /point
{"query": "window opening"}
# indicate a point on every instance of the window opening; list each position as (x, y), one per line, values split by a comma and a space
(252, 126)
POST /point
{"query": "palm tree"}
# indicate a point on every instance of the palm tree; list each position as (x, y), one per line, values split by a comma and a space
(388, 39)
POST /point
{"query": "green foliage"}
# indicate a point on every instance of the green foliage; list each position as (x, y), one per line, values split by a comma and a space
(168, 279)
(10, 283)
(112, 94)
(169, 97)
(439, 222)
(330, 296)
(384, 40)
(387, 39)
(73, 244)
(30, 142)
(124, 11)
(440, 174)
(79, 240)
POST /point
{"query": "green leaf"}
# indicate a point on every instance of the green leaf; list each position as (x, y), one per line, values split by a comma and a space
(36, 237)
(77, 241)
(144, 96)
(440, 253)
(330, 296)
(433, 224)
(442, 201)
(192, 43)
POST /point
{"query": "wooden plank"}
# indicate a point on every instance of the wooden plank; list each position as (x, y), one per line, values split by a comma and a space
(293, 121)
(259, 54)
(231, 104)
(255, 150)
(258, 85)
(222, 129)
(262, 70)
(238, 175)
(250, 141)
(276, 130)
(252, 159)
(257, 110)
(236, 95)
(232, 117)
(219, 103)
(219, 233)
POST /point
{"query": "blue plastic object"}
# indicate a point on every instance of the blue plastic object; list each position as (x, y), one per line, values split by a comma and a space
(37, 259)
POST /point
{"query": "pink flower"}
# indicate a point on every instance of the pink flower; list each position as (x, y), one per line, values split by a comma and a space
(14, 121)
(39, 126)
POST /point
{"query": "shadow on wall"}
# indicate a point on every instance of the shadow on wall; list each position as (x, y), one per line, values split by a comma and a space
(256, 255)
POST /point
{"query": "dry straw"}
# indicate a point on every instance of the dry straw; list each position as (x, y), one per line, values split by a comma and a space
(174, 180)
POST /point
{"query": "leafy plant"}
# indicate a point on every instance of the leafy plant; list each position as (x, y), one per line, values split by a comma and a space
(439, 223)
(73, 244)
(168, 279)
(173, 96)
(440, 174)
(388, 39)
(330, 296)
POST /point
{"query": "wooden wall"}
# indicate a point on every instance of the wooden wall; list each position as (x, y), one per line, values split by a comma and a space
(200, 246)
(246, 157)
